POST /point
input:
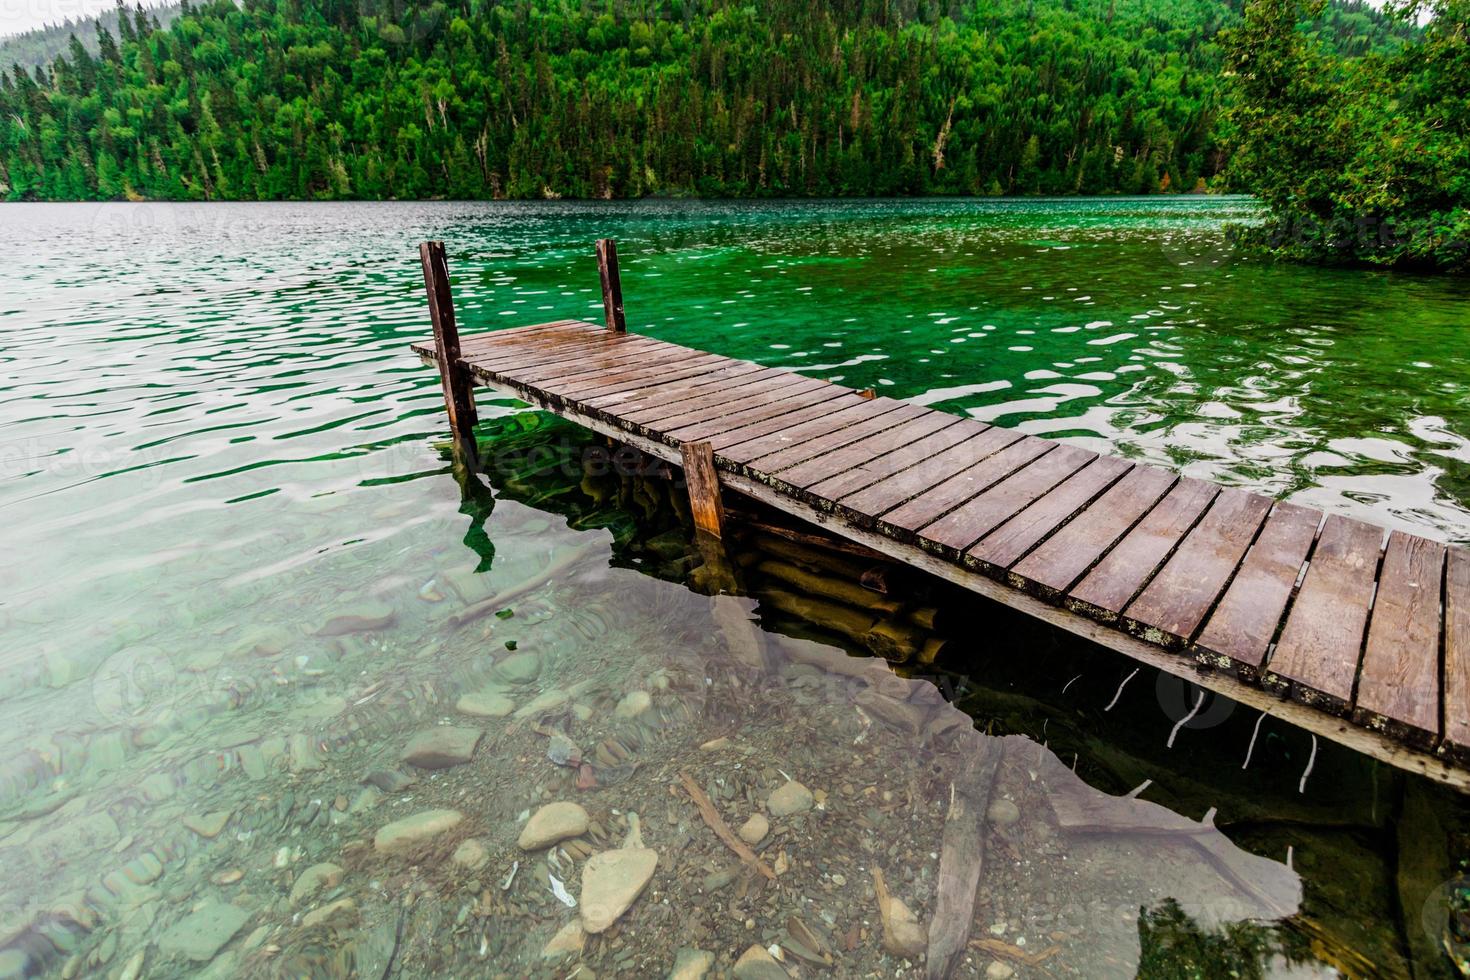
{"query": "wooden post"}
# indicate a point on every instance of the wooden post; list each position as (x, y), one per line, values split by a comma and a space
(703, 484)
(459, 398)
(612, 285)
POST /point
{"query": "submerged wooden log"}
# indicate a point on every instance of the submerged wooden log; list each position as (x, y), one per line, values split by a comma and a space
(962, 853)
(810, 553)
(828, 587)
(852, 623)
(895, 640)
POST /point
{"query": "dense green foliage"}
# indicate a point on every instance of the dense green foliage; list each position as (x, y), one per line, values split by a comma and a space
(328, 99)
(35, 49)
(1359, 160)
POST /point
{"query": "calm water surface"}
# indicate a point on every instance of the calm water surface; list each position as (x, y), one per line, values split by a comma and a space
(245, 589)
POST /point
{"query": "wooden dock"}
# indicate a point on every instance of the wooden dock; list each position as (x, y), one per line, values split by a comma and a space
(1356, 634)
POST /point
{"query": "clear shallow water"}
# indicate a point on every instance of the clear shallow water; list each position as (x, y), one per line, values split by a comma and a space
(238, 559)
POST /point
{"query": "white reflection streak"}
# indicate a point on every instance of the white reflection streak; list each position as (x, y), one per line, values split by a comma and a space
(1252, 747)
(1311, 761)
(1119, 693)
(1185, 720)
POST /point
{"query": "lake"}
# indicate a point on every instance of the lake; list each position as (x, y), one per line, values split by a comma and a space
(282, 693)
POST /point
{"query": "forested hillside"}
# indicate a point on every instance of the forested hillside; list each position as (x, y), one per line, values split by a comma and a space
(471, 99)
(34, 49)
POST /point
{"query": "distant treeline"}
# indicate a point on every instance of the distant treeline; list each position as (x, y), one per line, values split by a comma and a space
(38, 48)
(314, 99)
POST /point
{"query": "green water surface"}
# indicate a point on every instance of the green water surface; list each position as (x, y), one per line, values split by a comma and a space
(241, 577)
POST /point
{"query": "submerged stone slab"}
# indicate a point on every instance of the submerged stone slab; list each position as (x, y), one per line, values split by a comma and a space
(611, 882)
(553, 822)
(490, 702)
(442, 747)
(400, 835)
(200, 935)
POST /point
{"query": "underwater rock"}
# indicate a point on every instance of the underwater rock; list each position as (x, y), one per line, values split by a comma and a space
(999, 971)
(442, 747)
(209, 825)
(754, 829)
(133, 968)
(568, 941)
(471, 855)
(519, 668)
(390, 780)
(757, 964)
(633, 704)
(611, 882)
(400, 835)
(553, 822)
(490, 702)
(266, 642)
(546, 701)
(361, 618)
(344, 909)
(788, 799)
(562, 750)
(202, 934)
(302, 754)
(902, 933)
(691, 964)
(1003, 813)
(313, 880)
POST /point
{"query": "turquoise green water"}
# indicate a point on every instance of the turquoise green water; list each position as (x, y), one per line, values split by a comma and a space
(239, 570)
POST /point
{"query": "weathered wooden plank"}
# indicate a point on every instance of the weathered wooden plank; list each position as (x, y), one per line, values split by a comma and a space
(1177, 599)
(1005, 545)
(680, 395)
(732, 401)
(750, 449)
(1063, 558)
(1398, 685)
(1317, 655)
(869, 472)
(640, 376)
(620, 356)
(663, 394)
(832, 442)
(459, 399)
(569, 379)
(750, 422)
(510, 337)
(612, 284)
(703, 483)
(973, 480)
(1240, 630)
(1123, 571)
(966, 524)
(864, 505)
(552, 347)
(1456, 742)
(864, 450)
(821, 407)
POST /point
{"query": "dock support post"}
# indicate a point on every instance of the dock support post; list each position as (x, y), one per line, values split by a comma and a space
(704, 488)
(612, 285)
(459, 399)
